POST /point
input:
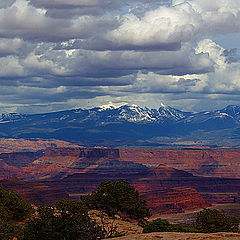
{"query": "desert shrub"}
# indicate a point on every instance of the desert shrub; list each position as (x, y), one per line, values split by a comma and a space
(161, 225)
(9, 230)
(118, 197)
(211, 220)
(71, 207)
(12, 210)
(13, 207)
(68, 221)
(158, 225)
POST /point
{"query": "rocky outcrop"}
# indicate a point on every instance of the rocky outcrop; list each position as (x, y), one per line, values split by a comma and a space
(114, 225)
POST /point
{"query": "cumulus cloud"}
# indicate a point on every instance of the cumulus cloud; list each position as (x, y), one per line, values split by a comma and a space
(166, 28)
(22, 20)
(225, 79)
(60, 51)
(10, 46)
(91, 64)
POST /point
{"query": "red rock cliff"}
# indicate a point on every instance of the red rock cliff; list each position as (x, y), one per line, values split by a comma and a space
(203, 162)
(174, 200)
(83, 152)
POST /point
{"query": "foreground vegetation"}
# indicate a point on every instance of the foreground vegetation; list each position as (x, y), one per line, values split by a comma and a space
(118, 198)
(207, 221)
(69, 220)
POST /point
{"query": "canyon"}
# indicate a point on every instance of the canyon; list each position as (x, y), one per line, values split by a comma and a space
(207, 162)
(171, 180)
(37, 193)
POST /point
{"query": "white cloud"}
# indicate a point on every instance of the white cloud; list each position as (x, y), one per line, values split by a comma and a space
(10, 46)
(52, 51)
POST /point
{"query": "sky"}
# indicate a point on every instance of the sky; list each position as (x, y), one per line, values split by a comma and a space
(64, 54)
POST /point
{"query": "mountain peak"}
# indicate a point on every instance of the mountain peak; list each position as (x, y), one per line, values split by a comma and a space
(163, 105)
(231, 110)
(107, 106)
(111, 106)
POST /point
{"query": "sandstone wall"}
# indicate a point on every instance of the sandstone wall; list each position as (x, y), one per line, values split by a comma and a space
(203, 162)
(83, 152)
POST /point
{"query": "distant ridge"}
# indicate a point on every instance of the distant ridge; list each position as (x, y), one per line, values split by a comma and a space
(127, 124)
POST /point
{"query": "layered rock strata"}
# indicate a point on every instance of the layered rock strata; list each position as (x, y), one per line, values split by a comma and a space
(220, 162)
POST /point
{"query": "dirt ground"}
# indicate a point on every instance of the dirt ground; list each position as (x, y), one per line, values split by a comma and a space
(181, 236)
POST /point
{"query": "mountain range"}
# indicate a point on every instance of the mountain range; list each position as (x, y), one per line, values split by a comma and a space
(128, 125)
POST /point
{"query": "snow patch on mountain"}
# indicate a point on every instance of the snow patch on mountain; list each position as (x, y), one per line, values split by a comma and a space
(110, 106)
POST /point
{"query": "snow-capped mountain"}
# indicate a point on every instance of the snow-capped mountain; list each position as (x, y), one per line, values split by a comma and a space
(119, 123)
(112, 114)
(231, 110)
(129, 113)
(136, 114)
(6, 117)
(172, 113)
(210, 120)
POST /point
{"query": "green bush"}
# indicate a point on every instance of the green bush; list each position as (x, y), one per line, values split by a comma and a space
(161, 225)
(68, 221)
(158, 225)
(210, 221)
(13, 207)
(9, 230)
(118, 198)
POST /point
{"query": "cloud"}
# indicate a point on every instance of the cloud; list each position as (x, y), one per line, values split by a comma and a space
(156, 29)
(21, 20)
(43, 60)
(56, 52)
(10, 46)
(166, 28)
(6, 3)
(74, 8)
(70, 3)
